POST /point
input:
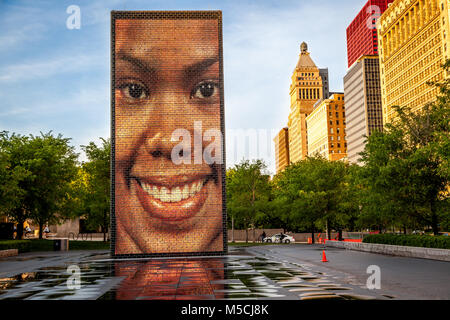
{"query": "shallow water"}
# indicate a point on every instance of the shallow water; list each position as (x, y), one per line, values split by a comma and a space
(236, 276)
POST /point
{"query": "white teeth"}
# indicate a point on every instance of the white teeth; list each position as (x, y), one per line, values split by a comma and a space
(185, 192)
(193, 189)
(165, 197)
(199, 186)
(175, 194)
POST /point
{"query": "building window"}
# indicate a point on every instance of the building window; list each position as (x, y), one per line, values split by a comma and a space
(337, 114)
(337, 122)
(339, 145)
(337, 130)
(331, 138)
(331, 130)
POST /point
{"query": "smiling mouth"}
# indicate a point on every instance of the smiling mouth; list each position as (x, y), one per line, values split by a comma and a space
(170, 200)
(174, 194)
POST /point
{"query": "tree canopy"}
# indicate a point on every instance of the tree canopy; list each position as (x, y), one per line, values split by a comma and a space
(36, 177)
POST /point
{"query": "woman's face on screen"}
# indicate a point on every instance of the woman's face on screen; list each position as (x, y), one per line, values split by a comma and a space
(166, 79)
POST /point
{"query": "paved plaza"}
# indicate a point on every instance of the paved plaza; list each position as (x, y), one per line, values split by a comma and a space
(280, 272)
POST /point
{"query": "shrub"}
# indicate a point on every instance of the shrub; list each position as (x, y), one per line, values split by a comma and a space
(425, 241)
(88, 245)
(47, 245)
(21, 245)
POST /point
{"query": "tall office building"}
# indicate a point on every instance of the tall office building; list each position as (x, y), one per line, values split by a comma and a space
(326, 128)
(413, 38)
(363, 111)
(326, 87)
(362, 32)
(306, 88)
(282, 150)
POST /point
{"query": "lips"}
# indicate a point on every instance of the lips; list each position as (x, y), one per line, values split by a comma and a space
(173, 198)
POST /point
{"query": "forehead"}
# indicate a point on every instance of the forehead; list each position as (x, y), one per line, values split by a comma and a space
(190, 38)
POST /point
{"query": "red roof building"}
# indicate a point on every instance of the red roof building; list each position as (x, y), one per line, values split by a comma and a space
(362, 32)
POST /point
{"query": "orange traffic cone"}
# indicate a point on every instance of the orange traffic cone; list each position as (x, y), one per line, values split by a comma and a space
(324, 257)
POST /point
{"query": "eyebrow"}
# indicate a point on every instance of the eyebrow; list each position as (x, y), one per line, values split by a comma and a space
(189, 71)
(199, 67)
(136, 62)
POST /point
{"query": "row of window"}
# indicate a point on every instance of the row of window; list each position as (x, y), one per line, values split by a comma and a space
(419, 101)
(338, 145)
(309, 83)
(410, 88)
(337, 114)
(337, 122)
(407, 26)
(427, 34)
(338, 138)
(337, 131)
(309, 74)
(421, 64)
(336, 107)
(309, 94)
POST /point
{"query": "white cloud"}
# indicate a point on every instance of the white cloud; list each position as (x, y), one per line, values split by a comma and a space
(44, 69)
(83, 101)
(261, 47)
(21, 35)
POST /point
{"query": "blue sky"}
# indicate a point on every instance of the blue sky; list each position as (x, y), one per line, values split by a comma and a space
(53, 78)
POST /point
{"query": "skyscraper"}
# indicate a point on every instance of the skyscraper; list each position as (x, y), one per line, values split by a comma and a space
(326, 128)
(362, 104)
(282, 150)
(362, 32)
(306, 88)
(414, 39)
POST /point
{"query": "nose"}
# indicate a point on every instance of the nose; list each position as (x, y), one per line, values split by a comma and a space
(159, 145)
(171, 112)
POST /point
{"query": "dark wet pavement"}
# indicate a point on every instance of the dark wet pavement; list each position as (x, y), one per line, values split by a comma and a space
(243, 274)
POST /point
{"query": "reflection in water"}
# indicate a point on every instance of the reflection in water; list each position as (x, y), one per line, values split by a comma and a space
(236, 276)
(169, 279)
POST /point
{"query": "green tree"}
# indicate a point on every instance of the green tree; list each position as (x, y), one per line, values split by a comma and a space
(13, 176)
(312, 193)
(248, 193)
(94, 185)
(405, 173)
(42, 168)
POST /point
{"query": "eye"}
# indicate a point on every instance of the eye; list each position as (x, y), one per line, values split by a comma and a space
(134, 90)
(205, 90)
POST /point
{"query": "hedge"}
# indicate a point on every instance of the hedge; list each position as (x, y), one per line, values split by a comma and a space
(47, 245)
(425, 241)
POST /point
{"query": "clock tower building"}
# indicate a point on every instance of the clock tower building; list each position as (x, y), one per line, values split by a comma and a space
(308, 85)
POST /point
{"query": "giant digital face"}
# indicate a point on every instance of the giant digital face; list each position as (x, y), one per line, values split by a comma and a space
(168, 164)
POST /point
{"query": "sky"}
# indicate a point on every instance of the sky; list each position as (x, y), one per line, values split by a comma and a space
(57, 79)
